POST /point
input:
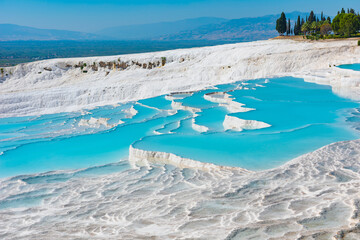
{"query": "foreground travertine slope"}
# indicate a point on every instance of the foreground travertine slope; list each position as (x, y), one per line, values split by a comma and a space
(72, 84)
(316, 196)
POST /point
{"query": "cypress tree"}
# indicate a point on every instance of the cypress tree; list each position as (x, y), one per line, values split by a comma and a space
(297, 29)
(329, 20)
(312, 17)
(288, 27)
(342, 10)
(281, 24)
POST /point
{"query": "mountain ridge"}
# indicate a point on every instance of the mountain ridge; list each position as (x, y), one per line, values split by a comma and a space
(242, 29)
(155, 30)
(13, 32)
(203, 28)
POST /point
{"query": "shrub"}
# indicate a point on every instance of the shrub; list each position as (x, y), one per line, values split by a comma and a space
(163, 61)
(325, 29)
(358, 42)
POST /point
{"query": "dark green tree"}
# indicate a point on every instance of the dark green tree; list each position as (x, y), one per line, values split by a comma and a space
(312, 17)
(328, 19)
(281, 24)
(288, 27)
(306, 27)
(297, 29)
(336, 22)
(346, 24)
(349, 24)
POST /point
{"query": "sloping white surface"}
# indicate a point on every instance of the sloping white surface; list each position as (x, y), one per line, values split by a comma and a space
(313, 197)
(56, 85)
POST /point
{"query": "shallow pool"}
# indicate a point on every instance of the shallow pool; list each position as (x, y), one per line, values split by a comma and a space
(355, 66)
(300, 116)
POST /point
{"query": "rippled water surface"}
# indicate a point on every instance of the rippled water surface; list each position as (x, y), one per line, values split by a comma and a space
(303, 117)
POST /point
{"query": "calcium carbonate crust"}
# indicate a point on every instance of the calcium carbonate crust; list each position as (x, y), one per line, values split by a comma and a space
(61, 85)
(315, 196)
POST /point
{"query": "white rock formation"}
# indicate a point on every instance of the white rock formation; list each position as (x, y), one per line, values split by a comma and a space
(198, 127)
(131, 112)
(225, 100)
(31, 90)
(315, 196)
(238, 124)
(179, 106)
(97, 122)
(139, 157)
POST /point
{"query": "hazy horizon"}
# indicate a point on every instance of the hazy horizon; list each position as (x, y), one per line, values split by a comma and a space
(94, 15)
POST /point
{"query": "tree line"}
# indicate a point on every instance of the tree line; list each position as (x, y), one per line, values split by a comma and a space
(344, 24)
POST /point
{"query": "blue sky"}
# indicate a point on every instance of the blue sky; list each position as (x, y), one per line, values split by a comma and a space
(92, 15)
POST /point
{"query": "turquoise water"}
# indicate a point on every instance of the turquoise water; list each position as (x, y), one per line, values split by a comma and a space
(303, 117)
(355, 66)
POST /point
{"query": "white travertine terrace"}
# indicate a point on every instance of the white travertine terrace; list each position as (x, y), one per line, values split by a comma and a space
(139, 157)
(97, 122)
(225, 100)
(29, 89)
(315, 196)
(131, 112)
(179, 106)
(238, 124)
(198, 127)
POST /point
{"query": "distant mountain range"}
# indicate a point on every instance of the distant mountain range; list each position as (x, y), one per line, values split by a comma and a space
(206, 28)
(243, 29)
(156, 30)
(11, 32)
